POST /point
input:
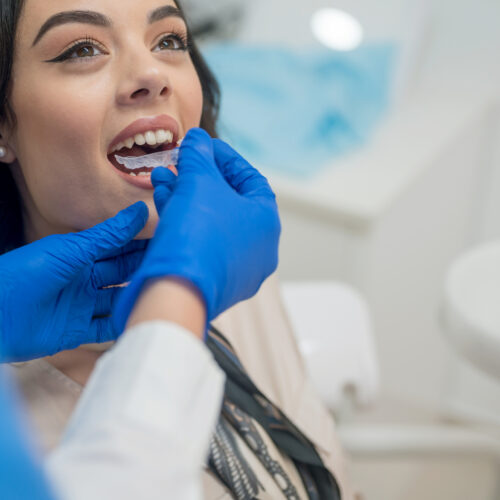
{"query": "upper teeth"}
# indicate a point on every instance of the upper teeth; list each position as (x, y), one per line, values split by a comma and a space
(151, 138)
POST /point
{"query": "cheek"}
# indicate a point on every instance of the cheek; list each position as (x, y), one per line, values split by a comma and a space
(55, 141)
(190, 97)
(57, 118)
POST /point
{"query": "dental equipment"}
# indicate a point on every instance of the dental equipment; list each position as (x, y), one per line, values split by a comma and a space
(159, 159)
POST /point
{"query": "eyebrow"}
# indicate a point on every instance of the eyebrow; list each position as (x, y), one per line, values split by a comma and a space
(163, 12)
(73, 16)
(98, 19)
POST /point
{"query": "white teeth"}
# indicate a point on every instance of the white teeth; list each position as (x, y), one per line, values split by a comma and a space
(140, 140)
(161, 136)
(150, 138)
(140, 174)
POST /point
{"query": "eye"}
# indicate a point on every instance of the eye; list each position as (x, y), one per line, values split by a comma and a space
(84, 49)
(81, 51)
(173, 41)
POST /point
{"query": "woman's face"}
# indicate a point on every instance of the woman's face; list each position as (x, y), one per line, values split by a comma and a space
(108, 71)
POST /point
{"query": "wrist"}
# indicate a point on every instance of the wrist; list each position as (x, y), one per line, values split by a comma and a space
(171, 299)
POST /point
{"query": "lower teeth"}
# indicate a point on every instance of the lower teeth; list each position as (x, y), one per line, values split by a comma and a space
(140, 174)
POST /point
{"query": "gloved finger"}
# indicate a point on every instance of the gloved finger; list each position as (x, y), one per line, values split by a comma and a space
(164, 181)
(105, 300)
(133, 246)
(85, 247)
(161, 196)
(101, 330)
(116, 270)
(112, 234)
(196, 154)
(162, 175)
(245, 179)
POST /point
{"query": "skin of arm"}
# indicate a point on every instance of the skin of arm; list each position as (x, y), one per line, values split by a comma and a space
(129, 430)
(174, 300)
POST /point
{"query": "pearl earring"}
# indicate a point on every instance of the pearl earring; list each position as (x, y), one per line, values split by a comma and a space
(3, 152)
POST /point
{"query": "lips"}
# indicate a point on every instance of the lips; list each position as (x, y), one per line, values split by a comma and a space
(142, 137)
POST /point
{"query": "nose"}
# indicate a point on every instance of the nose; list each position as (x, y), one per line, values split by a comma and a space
(144, 82)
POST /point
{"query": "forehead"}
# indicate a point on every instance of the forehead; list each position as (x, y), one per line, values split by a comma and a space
(36, 12)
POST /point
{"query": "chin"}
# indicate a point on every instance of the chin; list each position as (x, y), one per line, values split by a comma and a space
(149, 230)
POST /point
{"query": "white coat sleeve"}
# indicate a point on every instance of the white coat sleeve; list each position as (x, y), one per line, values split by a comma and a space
(143, 425)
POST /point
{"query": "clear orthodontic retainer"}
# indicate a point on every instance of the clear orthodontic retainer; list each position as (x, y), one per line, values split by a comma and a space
(160, 159)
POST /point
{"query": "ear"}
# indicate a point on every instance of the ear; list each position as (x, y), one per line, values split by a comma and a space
(9, 156)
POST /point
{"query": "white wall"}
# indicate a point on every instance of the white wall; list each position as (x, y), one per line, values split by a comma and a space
(490, 226)
(285, 21)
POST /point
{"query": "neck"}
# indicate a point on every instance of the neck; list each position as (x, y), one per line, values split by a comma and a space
(77, 364)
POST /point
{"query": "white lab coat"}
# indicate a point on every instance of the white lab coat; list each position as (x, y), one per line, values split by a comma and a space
(143, 424)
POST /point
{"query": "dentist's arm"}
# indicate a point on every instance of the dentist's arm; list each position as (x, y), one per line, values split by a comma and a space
(171, 300)
(143, 425)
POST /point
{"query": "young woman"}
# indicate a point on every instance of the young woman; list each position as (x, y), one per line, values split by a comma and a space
(82, 81)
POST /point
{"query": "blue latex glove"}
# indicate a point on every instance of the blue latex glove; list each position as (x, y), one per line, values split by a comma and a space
(51, 296)
(219, 228)
(21, 474)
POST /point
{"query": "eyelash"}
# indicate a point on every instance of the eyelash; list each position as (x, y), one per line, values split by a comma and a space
(67, 55)
(182, 38)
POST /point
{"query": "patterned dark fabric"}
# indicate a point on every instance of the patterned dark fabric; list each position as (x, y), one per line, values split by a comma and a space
(246, 428)
(244, 402)
(230, 466)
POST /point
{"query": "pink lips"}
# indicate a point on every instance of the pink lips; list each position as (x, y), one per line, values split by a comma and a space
(142, 125)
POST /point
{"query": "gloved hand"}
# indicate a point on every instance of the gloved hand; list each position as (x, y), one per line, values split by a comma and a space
(219, 228)
(51, 296)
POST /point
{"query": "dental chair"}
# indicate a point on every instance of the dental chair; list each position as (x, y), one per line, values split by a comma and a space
(333, 328)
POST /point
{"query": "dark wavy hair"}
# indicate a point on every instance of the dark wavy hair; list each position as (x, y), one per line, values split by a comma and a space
(11, 223)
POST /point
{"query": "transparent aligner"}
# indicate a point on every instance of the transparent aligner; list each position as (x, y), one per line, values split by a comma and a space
(159, 159)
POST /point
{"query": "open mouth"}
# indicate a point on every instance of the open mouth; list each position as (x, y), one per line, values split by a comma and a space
(152, 141)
